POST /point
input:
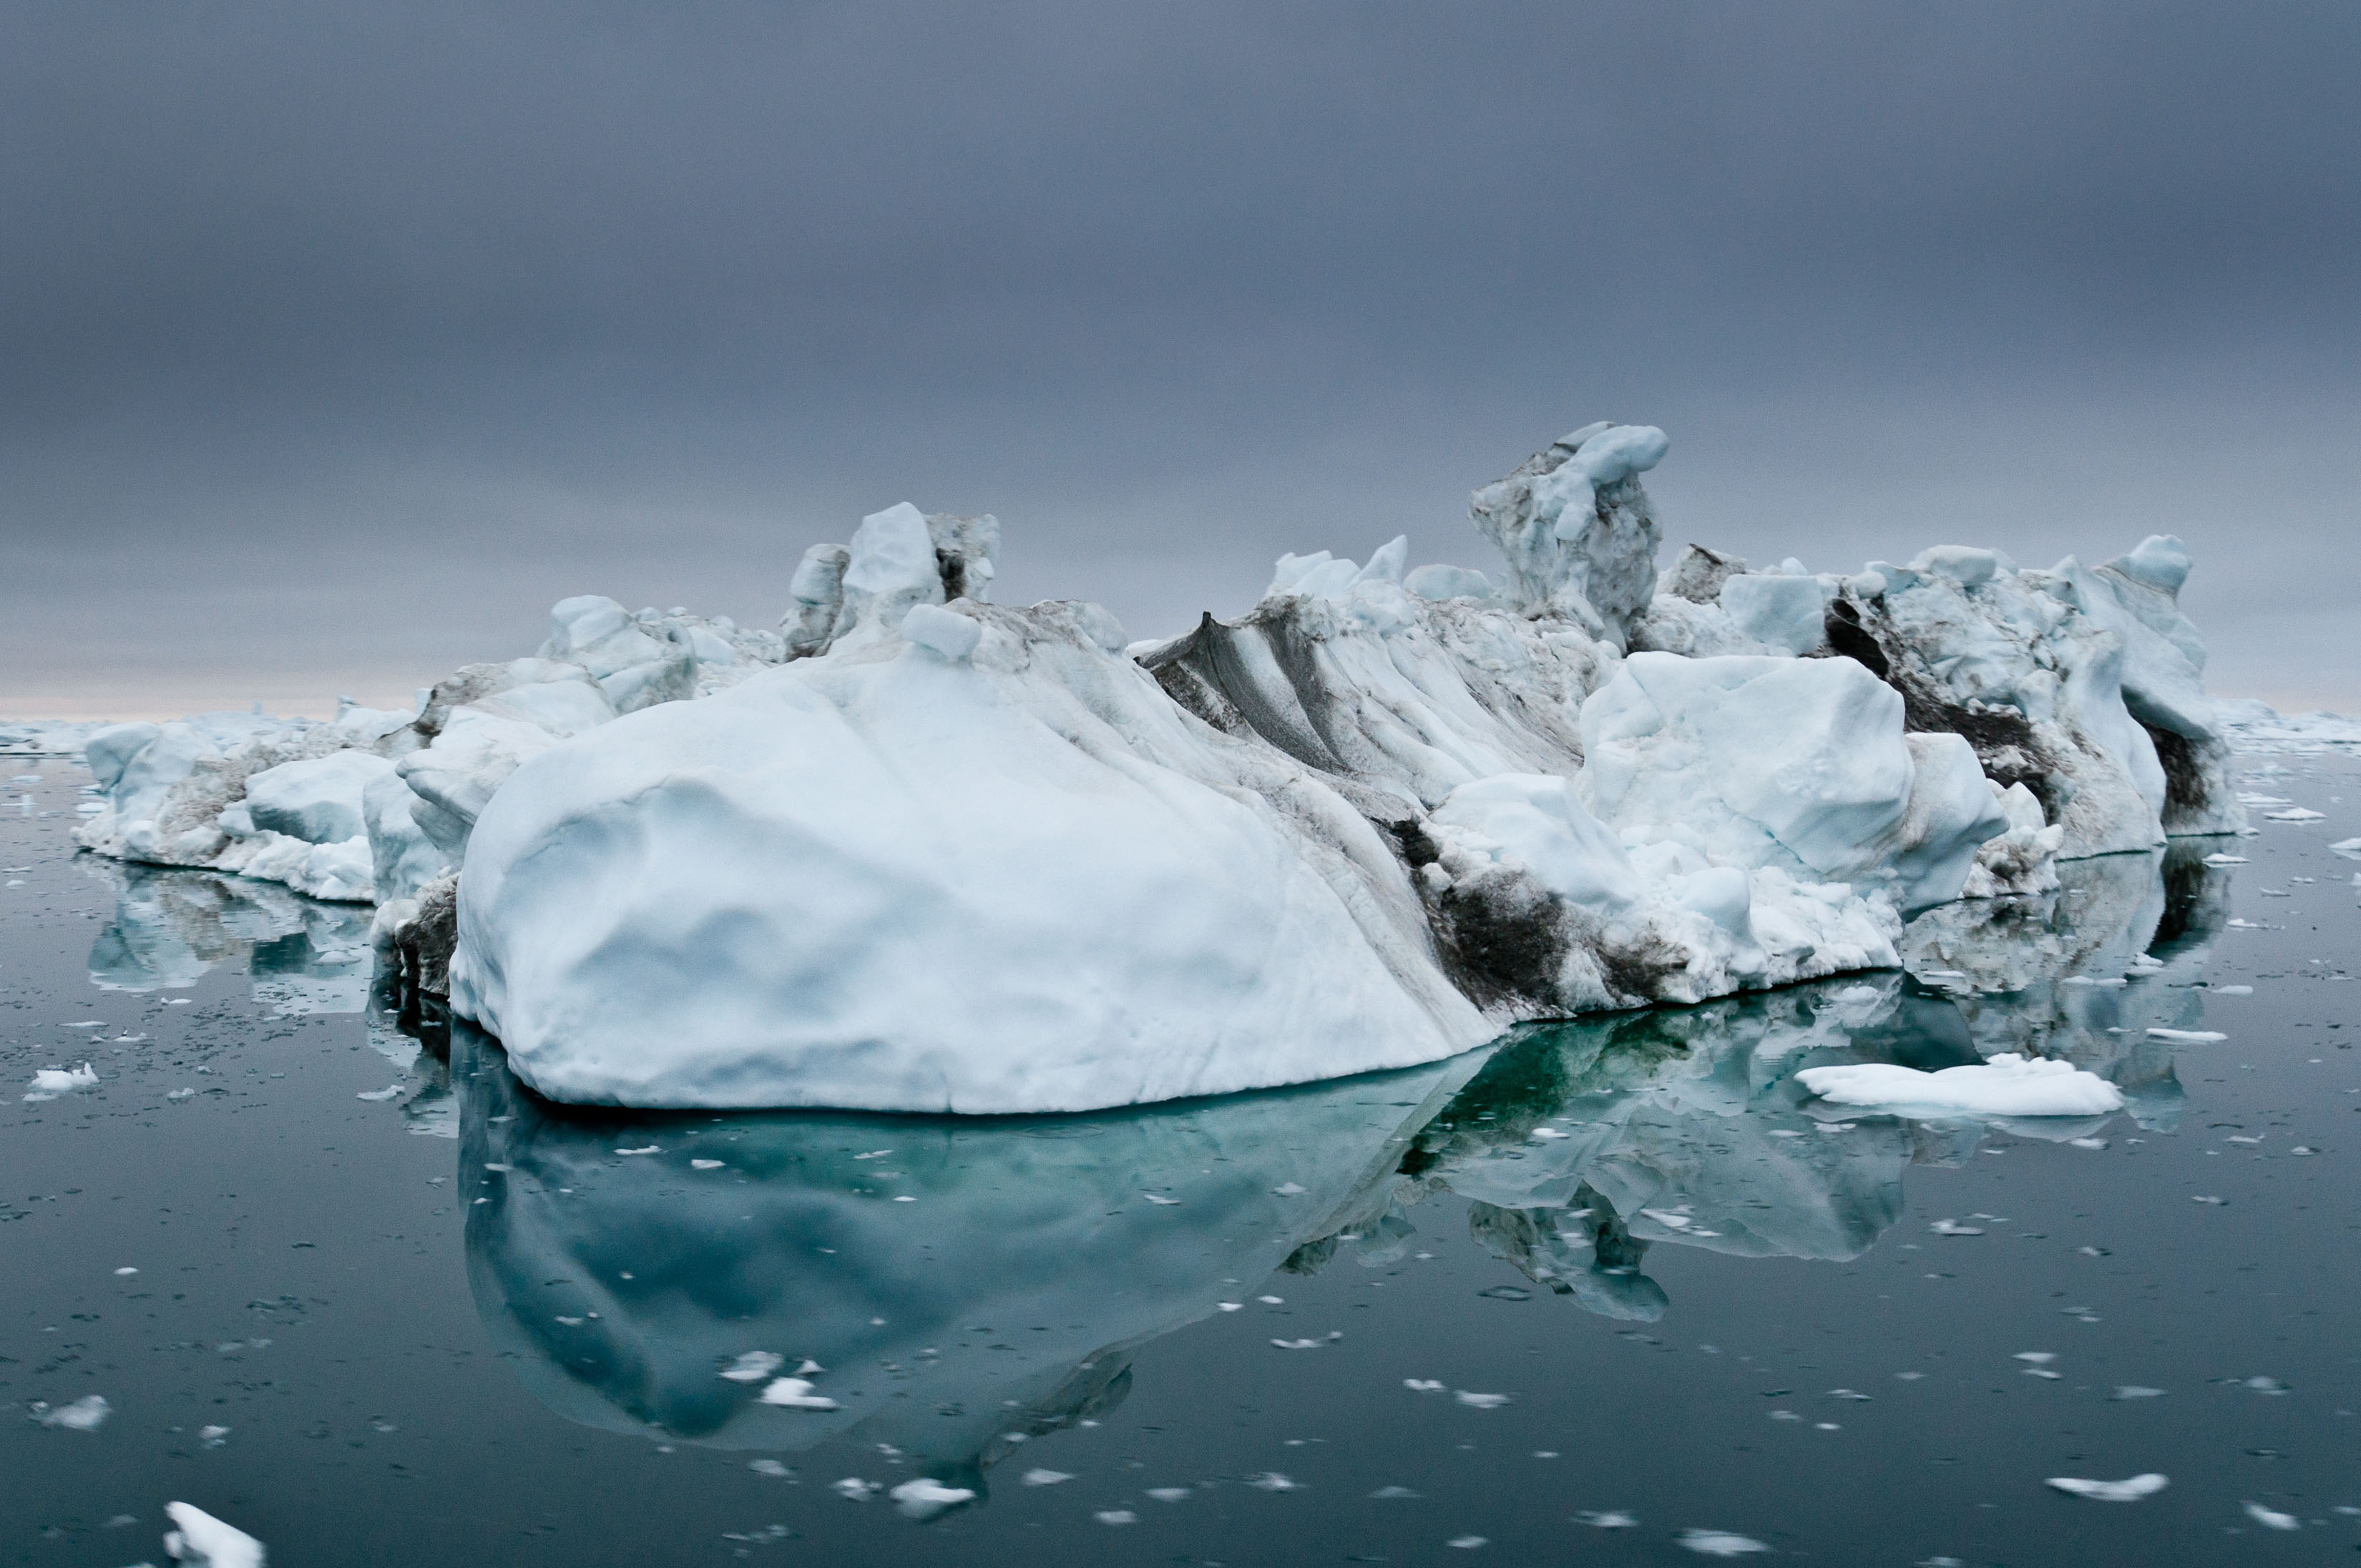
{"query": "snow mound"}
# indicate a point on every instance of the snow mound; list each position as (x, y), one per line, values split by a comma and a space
(2005, 1085)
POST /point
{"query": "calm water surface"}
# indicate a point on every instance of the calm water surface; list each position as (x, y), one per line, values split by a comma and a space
(1609, 1291)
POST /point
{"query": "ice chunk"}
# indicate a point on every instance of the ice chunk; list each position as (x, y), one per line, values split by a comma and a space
(1576, 529)
(2126, 1491)
(753, 1366)
(200, 1540)
(1720, 1543)
(924, 1497)
(54, 1081)
(318, 800)
(2271, 1518)
(796, 1394)
(2004, 1085)
(85, 1414)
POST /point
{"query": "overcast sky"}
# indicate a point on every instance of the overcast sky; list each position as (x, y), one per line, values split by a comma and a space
(338, 341)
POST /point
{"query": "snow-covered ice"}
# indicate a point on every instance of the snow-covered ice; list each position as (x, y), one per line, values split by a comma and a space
(2004, 1085)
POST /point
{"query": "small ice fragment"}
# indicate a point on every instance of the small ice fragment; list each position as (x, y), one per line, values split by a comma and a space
(1044, 1477)
(1481, 1401)
(2271, 1518)
(650, 1149)
(809, 1368)
(88, 1024)
(1720, 1543)
(1545, 1134)
(1272, 1300)
(1422, 1384)
(1953, 1228)
(1470, 1542)
(2188, 1037)
(1168, 1494)
(213, 1436)
(704, 1164)
(2087, 1143)
(2226, 859)
(2126, 1491)
(2296, 814)
(1231, 1306)
(2216, 1202)
(85, 1414)
(2229, 991)
(1297, 1344)
(1271, 1480)
(2264, 1386)
(2134, 1391)
(768, 1467)
(924, 1497)
(796, 1394)
(1115, 1515)
(1167, 1202)
(753, 1366)
(1389, 1493)
(201, 1540)
(380, 1095)
(1288, 1189)
(1608, 1519)
(2039, 1357)
(1846, 1393)
(121, 1272)
(182, 1094)
(63, 1080)
(904, 1198)
(854, 1488)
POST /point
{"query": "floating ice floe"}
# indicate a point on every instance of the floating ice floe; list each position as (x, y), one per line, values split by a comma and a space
(200, 1541)
(923, 1498)
(85, 1414)
(2125, 1491)
(48, 1082)
(2004, 1085)
(2271, 1518)
(1720, 1543)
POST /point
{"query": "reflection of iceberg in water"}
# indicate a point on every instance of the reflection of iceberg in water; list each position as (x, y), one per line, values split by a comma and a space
(1002, 1298)
(171, 927)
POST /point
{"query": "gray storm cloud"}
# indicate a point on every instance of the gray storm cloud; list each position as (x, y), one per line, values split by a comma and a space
(337, 342)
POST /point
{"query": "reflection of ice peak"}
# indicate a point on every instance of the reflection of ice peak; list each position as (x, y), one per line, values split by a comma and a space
(967, 1284)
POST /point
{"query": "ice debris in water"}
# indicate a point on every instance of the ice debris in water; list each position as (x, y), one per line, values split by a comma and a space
(1037, 1477)
(1422, 1384)
(923, 1498)
(2126, 1491)
(854, 1488)
(2135, 1391)
(704, 1164)
(2271, 1518)
(1481, 1401)
(85, 1414)
(50, 1081)
(796, 1394)
(1720, 1543)
(1271, 1480)
(1608, 1519)
(2188, 1037)
(753, 1366)
(1168, 1494)
(1115, 1517)
(2004, 1085)
(771, 1467)
(1468, 1542)
(200, 1540)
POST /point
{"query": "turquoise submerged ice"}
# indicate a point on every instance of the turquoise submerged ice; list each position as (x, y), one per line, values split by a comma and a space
(921, 852)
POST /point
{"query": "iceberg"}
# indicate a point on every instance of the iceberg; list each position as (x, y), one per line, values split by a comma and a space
(919, 851)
